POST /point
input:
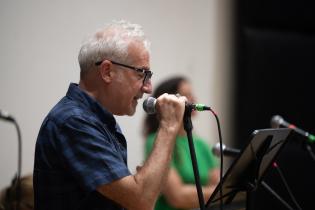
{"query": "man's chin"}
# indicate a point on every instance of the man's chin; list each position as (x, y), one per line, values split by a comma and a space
(131, 111)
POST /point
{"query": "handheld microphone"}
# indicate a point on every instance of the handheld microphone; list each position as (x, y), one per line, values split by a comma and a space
(5, 116)
(277, 121)
(149, 106)
(231, 152)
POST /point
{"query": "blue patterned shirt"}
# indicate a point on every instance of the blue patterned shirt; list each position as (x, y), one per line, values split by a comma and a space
(79, 147)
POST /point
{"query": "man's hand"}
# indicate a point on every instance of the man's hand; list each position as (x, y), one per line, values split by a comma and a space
(170, 111)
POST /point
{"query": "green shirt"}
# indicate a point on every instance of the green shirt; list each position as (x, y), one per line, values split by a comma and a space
(181, 162)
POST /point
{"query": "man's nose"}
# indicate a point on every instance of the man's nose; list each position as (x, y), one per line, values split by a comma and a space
(147, 87)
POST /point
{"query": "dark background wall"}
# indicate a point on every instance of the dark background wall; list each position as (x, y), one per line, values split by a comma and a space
(274, 68)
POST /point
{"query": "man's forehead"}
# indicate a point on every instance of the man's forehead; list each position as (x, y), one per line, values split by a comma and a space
(139, 54)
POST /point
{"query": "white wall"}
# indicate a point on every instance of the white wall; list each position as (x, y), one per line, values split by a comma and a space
(40, 40)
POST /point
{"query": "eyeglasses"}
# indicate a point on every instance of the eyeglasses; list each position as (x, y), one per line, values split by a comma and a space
(147, 74)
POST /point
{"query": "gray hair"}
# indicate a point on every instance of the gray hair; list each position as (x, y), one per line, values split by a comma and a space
(110, 43)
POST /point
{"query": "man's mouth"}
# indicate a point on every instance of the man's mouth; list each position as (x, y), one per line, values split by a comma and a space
(137, 98)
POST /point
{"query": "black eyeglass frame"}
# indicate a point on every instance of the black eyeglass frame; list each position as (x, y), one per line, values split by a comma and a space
(147, 73)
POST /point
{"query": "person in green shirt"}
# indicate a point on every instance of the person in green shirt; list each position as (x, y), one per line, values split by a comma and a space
(179, 191)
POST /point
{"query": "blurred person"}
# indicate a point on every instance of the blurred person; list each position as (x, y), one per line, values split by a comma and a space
(81, 152)
(179, 191)
(8, 198)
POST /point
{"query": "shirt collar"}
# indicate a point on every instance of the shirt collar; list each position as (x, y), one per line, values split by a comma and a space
(78, 94)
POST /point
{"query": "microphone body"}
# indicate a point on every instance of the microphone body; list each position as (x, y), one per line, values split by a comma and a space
(277, 121)
(150, 102)
(231, 152)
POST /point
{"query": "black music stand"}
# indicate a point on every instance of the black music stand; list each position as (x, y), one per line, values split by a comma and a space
(248, 169)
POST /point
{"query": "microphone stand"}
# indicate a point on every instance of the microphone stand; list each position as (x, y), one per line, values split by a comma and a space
(188, 128)
(18, 174)
(310, 151)
(275, 195)
(17, 179)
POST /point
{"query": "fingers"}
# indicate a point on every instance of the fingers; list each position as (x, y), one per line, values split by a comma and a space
(170, 109)
(171, 101)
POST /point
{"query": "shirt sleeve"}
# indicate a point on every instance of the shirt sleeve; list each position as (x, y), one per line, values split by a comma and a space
(91, 153)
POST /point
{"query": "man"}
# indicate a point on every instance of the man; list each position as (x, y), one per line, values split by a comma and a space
(81, 153)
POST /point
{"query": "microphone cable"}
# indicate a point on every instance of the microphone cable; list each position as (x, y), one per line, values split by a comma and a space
(221, 156)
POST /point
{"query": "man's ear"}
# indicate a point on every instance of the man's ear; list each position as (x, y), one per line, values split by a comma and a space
(106, 71)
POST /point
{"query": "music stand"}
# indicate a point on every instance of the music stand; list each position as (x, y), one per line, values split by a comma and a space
(249, 168)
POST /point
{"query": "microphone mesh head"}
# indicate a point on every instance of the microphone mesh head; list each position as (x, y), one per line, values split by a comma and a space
(216, 149)
(149, 105)
(276, 121)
